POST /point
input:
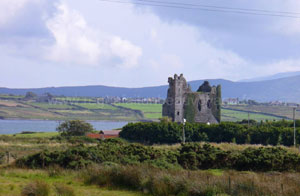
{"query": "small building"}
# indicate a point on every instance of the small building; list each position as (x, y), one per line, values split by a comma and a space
(104, 134)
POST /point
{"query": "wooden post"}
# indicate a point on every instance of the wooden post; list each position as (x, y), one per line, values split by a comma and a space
(229, 185)
(8, 156)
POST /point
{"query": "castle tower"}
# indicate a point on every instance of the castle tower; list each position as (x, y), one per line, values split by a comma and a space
(173, 106)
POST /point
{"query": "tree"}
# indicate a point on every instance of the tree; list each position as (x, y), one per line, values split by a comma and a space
(74, 128)
(30, 95)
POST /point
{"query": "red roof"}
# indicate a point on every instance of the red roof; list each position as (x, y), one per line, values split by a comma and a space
(105, 135)
(94, 135)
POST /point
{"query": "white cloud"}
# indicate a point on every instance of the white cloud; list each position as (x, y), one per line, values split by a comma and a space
(76, 42)
(126, 50)
(10, 8)
(109, 37)
(286, 65)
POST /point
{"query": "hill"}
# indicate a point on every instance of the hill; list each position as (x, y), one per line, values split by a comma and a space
(272, 77)
(282, 89)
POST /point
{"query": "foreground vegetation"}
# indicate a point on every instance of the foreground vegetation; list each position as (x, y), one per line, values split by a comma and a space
(117, 180)
(116, 167)
(52, 182)
(188, 156)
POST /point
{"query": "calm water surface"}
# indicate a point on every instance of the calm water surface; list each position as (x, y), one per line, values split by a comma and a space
(17, 126)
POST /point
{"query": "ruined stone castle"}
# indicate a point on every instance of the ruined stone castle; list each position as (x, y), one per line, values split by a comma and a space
(203, 106)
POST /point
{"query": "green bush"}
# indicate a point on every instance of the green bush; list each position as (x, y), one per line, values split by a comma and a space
(270, 133)
(74, 128)
(115, 151)
(189, 156)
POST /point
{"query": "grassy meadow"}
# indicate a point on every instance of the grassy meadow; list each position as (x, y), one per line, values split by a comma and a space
(150, 111)
(13, 181)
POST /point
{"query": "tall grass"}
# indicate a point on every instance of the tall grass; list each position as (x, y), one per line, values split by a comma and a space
(193, 183)
(63, 190)
(37, 188)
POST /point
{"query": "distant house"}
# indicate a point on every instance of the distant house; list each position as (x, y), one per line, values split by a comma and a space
(276, 103)
(231, 101)
(104, 134)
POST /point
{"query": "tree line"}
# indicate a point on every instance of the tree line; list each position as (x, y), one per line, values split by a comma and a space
(265, 133)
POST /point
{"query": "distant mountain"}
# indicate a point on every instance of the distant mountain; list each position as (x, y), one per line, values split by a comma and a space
(283, 89)
(273, 77)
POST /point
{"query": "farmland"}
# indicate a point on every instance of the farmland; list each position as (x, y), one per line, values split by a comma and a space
(21, 109)
(62, 108)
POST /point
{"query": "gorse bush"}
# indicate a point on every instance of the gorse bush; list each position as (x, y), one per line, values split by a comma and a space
(37, 188)
(189, 156)
(271, 133)
(115, 151)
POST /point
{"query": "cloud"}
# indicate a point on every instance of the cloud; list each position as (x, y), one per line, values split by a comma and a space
(125, 50)
(76, 42)
(125, 45)
(9, 9)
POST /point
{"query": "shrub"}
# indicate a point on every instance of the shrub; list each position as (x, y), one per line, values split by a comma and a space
(74, 128)
(37, 188)
(189, 156)
(63, 190)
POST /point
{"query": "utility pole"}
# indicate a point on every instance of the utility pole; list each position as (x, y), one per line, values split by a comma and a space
(248, 119)
(183, 132)
(294, 118)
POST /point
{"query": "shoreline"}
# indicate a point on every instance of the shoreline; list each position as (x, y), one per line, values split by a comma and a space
(22, 119)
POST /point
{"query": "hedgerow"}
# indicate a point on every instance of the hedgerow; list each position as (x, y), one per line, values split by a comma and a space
(274, 133)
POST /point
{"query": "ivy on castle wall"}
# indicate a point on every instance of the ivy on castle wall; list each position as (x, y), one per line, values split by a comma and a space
(189, 108)
(219, 103)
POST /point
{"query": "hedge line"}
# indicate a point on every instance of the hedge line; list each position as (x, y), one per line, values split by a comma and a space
(275, 133)
(188, 156)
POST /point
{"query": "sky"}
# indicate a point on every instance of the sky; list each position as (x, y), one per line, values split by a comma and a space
(45, 43)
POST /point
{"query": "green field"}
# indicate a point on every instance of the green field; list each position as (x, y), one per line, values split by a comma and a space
(12, 109)
(231, 115)
(11, 96)
(52, 106)
(279, 111)
(75, 99)
(151, 111)
(37, 135)
(96, 106)
(12, 182)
